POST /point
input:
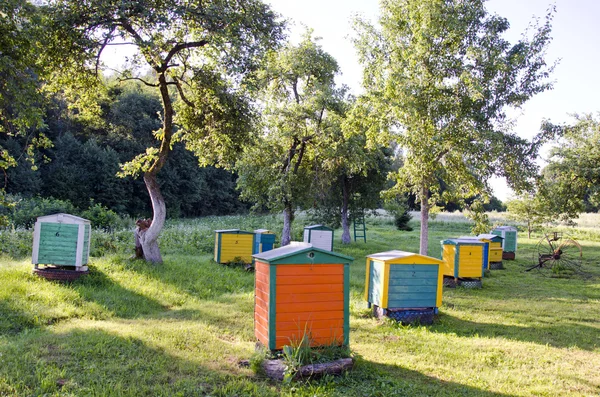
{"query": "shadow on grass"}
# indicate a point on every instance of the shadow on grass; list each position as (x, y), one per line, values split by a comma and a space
(97, 287)
(197, 276)
(35, 302)
(560, 335)
(14, 319)
(384, 380)
(98, 362)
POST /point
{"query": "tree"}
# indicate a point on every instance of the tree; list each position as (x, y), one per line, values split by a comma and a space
(300, 94)
(442, 76)
(199, 54)
(21, 107)
(531, 209)
(572, 175)
(350, 173)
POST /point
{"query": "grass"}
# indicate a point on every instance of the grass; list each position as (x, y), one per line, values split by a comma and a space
(131, 329)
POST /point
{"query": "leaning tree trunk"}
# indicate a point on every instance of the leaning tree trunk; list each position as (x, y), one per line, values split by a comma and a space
(288, 218)
(346, 239)
(150, 238)
(159, 210)
(424, 220)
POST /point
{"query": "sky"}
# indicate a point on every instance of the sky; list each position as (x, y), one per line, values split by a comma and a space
(576, 45)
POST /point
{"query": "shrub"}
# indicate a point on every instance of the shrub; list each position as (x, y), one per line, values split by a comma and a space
(25, 211)
(16, 243)
(103, 218)
(399, 210)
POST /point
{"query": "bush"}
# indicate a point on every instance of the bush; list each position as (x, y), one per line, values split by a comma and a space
(401, 221)
(26, 211)
(103, 218)
(23, 212)
(399, 210)
(16, 243)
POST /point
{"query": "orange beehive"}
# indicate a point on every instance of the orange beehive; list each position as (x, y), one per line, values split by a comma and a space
(301, 290)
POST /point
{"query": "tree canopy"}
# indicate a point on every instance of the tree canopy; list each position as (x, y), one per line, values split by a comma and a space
(572, 176)
(199, 55)
(299, 96)
(442, 76)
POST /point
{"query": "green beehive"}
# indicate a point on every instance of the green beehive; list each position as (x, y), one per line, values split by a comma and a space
(509, 244)
(63, 240)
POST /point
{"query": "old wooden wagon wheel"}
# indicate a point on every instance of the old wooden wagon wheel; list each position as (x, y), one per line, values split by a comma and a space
(557, 254)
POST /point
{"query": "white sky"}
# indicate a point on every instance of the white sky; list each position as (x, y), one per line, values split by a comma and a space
(576, 33)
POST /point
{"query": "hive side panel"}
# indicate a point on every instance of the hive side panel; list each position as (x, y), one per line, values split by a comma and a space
(368, 285)
(236, 246)
(412, 286)
(85, 248)
(322, 239)
(257, 244)
(376, 283)
(261, 302)
(471, 261)
(267, 242)
(495, 255)
(217, 247)
(448, 252)
(318, 314)
(486, 256)
(510, 241)
(496, 245)
(58, 244)
(36, 243)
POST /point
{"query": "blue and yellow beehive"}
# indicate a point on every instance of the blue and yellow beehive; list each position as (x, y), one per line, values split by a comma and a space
(233, 244)
(464, 258)
(264, 240)
(495, 249)
(400, 282)
(486, 250)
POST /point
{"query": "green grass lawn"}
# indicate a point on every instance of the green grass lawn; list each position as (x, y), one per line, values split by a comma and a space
(180, 329)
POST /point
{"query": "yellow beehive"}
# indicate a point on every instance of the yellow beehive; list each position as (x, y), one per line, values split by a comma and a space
(464, 258)
(233, 244)
(495, 249)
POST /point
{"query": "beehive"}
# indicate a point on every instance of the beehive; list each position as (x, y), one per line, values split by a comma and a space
(463, 258)
(398, 281)
(486, 250)
(495, 248)
(509, 244)
(301, 290)
(61, 239)
(264, 240)
(233, 244)
(319, 236)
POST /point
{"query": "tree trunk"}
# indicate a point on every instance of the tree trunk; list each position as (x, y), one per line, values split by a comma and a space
(346, 239)
(159, 211)
(288, 218)
(424, 220)
(149, 239)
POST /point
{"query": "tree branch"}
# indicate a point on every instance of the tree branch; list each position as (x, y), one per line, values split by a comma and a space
(139, 40)
(138, 79)
(295, 89)
(182, 95)
(177, 48)
(103, 46)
